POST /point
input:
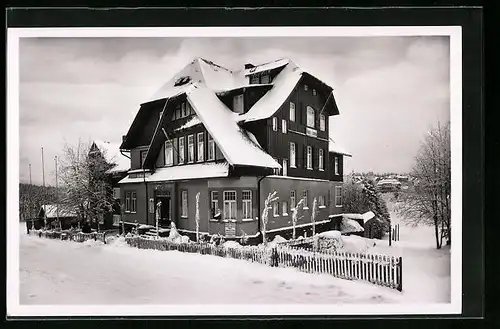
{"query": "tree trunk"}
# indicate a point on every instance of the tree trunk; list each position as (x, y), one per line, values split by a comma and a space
(436, 231)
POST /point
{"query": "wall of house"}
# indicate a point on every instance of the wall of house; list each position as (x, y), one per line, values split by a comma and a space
(192, 187)
(331, 172)
(140, 215)
(283, 186)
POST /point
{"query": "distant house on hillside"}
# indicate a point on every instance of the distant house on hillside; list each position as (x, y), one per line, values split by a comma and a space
(234, 137)
(120, 164)
(389, 185)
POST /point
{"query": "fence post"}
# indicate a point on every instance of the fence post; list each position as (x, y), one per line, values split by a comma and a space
(400, 270)
(104, 237)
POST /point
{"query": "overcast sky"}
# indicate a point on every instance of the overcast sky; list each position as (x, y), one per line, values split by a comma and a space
(389, 90)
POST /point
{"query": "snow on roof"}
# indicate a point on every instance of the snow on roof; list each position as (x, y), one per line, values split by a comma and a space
(267, 66)
(234, 143)
(112, 154)
(334, 147)
(193, 122)
(253, 85)
(367, 216)
(283, 86)
(353, 216)
(350, 226)
(51, 211)
(199, 170)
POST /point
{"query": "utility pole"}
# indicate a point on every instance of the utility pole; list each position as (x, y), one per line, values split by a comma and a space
(43, 171)
(57, 196)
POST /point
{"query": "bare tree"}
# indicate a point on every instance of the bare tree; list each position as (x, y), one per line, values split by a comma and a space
(86, 186)
(314, 213)
(265, 213)
(197, 217)
(295, 216)
(428, 202)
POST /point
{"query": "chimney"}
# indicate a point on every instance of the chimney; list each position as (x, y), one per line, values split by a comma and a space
(249, 66)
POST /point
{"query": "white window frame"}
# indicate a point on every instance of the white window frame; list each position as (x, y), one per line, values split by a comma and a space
(292, 112)
(211, 148)
(284, 208)
(184, 203)
(276, 210)
(338, 196)
(321, 160)
(275, 123)
(183, 110)
(284, 167)
(293, 200)
(306, 88)
(143, 155)
(182, 149)
(293, 155)
(310, 117)
(314, 92)
(336, 162)
(169, 153)
(200, 156)
(238, 104)
(231, 204)
(190, 148)
(305, 196)
(283, 126)
(246, 205)
(216, 202)
(133, 202)
(128, 195)
(321, 201)
(309, 157)
(178, 113)
(322, 122)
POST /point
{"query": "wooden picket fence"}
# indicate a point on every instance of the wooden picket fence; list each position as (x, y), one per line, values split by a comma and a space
(378, 269)
(72, 236)
(253, 254)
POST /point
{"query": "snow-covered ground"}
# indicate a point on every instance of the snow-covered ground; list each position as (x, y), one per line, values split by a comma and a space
(63, 272)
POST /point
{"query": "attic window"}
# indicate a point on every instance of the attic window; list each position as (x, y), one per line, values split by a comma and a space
(181, 81)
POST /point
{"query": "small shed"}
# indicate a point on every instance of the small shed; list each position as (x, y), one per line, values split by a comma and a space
(374, 227)
(49, 213)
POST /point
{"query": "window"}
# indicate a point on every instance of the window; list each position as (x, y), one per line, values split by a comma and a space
(322, 122)
(292, 111)
(247, 205)
(143, 157)
(309, 157)
(275, 124)
(314, 92)
(190, 110)
(201, 146)
(283, 126)
(264, 78)
(169, 153)
(230, 205)
(127, 201)
(133, 202)
(321, 160)
(214, 204)
(184, 205)
(285, 167)
(292, 155)
(305, 196)
(178, 112)
(276, 211)
(211, 148)
(254, 79)
(336, 159)
(292, 199)
(238, 103)
(338, 196)
(310, 117)
(181, 149)
(321, 201)
(284, 208)
(306, 88)
(190, 148)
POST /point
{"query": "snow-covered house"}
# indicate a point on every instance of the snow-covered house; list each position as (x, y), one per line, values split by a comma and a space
(119, 163)
(235, 137)
(50, 213)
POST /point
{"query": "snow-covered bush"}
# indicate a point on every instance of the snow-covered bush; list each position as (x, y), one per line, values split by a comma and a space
(216, 239)
(356, 244)
(329, 240)
(231, 244)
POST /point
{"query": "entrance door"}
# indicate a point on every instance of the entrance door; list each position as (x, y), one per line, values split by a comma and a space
(165, 209)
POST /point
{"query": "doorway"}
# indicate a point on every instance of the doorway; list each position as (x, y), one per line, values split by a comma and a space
(165, 208)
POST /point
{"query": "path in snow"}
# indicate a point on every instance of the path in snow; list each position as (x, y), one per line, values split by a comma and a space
(62, 272)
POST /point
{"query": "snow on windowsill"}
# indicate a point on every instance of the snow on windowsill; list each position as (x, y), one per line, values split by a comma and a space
(322, 206)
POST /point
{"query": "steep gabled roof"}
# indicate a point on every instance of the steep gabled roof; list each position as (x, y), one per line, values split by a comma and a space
(267, 66)
(112, 154)
(334, 147)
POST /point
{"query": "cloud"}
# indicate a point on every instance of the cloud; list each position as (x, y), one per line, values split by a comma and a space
(389, 89)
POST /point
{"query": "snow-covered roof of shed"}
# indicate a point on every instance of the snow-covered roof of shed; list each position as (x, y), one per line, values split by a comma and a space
(234, 142)
(112, 154)
(193, 171)
(283, 86)
(267, 66)
(334, 147)
(51, 211)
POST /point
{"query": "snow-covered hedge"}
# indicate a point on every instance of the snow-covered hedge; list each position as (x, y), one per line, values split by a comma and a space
(71, 235)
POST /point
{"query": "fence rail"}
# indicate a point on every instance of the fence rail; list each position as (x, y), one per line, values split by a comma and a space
(72, 236)
(377, 269)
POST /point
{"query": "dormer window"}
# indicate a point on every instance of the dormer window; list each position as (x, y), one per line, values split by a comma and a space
(264, 79)
(181, 81)
(238, 103)
(254, 79)
(314, 92)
